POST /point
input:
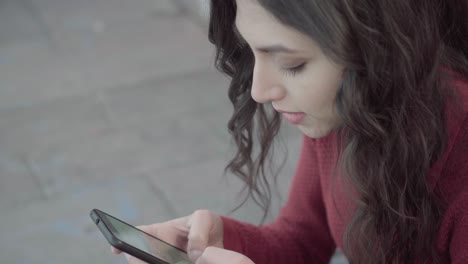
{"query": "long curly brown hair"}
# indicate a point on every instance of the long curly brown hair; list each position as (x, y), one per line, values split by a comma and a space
(392, 104)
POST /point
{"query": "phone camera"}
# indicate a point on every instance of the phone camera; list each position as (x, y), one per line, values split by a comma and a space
(97, 221)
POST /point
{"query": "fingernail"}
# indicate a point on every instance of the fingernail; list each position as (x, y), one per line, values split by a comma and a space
(195, 254)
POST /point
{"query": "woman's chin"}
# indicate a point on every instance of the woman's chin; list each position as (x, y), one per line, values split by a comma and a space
(315, 132)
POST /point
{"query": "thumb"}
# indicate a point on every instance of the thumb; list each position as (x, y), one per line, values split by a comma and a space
(214, 255)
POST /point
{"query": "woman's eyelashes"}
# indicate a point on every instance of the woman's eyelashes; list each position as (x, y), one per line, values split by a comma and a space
(294, 70)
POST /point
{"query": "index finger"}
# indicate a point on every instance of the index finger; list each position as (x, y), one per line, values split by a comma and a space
(174, 232)
(115, 251)
(200, 224)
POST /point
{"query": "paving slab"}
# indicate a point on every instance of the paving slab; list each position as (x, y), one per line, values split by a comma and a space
(30, 129)
(204, 186)
(186, 139)
(18, 187)
(74, 15)
(121, 55)
(22, 33)
(60, 230)
(144, 103)
(199, 186)
(76, 164)
(167, 142)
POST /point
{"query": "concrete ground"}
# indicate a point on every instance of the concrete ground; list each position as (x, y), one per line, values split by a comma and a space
(109, 104)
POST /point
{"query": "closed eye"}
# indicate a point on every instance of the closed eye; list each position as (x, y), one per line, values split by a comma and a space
(295, 70)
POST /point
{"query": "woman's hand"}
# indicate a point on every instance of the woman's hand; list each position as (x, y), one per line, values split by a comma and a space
(193, 233)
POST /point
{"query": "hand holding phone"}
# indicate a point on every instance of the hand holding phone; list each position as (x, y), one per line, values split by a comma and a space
(175, 228)
(137, 243)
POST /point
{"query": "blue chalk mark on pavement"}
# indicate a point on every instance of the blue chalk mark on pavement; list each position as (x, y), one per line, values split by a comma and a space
(127, 209)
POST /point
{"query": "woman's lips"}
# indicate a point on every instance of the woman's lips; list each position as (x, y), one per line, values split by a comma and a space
(294, 118)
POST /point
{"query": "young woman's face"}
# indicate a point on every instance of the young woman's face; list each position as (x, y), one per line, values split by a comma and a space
(290, 71)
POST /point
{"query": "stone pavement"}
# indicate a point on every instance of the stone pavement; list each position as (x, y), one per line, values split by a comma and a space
(109, 104)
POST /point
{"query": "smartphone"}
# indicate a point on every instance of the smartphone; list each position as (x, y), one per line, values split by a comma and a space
(137, 243)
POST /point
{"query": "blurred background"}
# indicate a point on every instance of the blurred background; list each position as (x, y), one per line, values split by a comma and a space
(111, 104)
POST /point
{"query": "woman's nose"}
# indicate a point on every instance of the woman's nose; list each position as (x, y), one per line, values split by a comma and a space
(265, 86)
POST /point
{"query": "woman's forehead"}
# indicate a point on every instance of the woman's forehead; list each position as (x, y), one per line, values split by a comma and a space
(258, 27)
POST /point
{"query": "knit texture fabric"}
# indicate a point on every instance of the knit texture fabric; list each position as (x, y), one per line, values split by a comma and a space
(311, 224)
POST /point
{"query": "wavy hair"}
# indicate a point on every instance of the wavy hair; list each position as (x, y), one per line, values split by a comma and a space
(391, 102)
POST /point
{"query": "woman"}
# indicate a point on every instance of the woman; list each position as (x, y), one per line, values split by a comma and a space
(380, 91)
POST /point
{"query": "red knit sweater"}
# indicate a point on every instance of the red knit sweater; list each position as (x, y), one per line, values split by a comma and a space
(311, 224)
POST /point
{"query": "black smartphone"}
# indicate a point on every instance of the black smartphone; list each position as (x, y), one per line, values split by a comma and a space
(137, 243)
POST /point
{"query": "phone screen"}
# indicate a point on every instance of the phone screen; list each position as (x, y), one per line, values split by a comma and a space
(144, 242)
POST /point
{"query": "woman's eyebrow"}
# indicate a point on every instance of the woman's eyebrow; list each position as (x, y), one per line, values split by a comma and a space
(276, 48)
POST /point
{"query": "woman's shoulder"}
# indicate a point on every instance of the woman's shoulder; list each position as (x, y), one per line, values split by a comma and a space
(457, 110)
(451, 170)
(459, 85)
(450, 166)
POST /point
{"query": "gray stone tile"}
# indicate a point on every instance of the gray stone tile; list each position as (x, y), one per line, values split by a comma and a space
(118, 56)
(29, 129)
(31, 80)
(199, 9)
(146, 102)
(86, 30)
(79, 15)
(18, 25)
(198, 186)
(182, 139)
(60, 230)
(203, 186)
(22, 53)
(217, 120)
(76, 164)
(17, 185)
(131, 52)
